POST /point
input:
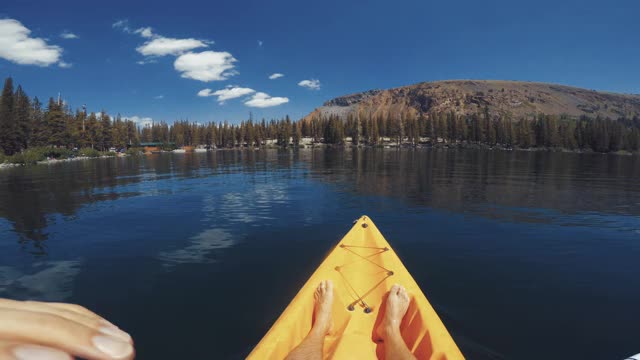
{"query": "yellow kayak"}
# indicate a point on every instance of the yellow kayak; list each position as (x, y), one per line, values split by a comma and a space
(363, 267)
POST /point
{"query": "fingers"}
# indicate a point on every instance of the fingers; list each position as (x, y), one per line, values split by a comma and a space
(18, 351)
(70, 312)
(74, 308)
(72, 333)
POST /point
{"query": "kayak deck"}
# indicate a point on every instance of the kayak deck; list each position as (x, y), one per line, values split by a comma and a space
(363, 267)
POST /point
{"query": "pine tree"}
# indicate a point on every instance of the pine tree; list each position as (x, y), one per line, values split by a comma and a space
(9, 138)
(476, 128)
(92, 130)
(491, 132)
(334, 131)
(38, 135)
(297, 133)
(357, 129)
(133, 136)
(119, 133)
(524, 134)
(452, 128)
(55, 124)
(80, 129)
(22, 117)
(633, 139)
(375, 132)
(463, 128)
(552, 133)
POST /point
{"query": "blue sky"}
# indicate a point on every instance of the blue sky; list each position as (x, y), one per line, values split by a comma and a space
(346, 46)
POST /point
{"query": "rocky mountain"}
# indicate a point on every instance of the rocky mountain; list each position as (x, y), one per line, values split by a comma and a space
(514, 98)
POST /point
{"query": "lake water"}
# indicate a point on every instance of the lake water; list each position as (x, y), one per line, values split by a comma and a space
(523, 255)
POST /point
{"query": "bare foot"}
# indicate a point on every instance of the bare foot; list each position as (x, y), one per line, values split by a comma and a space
(322, 312)
(397, 305)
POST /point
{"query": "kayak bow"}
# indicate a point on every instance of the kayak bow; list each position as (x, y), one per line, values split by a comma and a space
(363, 267)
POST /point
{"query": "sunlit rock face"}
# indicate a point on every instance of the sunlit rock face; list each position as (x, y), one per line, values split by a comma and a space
(515, 99)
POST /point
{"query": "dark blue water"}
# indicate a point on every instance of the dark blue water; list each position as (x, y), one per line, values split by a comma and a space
(523, 255)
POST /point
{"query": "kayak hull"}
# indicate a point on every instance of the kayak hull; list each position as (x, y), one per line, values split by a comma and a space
(363, 267)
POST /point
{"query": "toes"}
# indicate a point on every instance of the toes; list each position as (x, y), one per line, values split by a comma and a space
(400, 290)
(394, 289)
(330, 286)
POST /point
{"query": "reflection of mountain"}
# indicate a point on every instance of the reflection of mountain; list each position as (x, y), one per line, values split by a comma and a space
(50, 281)
(461, 180)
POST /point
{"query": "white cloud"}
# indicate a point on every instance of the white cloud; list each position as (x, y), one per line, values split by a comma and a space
(145, 32)
(228, 93)
(205, 93)
(68, 35)
(158, 45)
(64, 65)
(161, 46)
(312, 84)
(142, 121)
(262, 100)
(146, 61)
(232, 93)
(275, 76)
(122, 24)
(17, 46)
(159, 97)
(206, 66)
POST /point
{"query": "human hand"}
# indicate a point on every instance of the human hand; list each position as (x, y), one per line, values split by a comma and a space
(31, 330)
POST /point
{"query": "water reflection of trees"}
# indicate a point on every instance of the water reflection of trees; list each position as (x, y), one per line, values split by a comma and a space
(31, 196)
(462, 179)
(451, 179)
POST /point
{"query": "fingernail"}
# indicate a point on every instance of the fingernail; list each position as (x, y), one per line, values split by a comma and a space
(111, 346)
(114, 331)
(34, 352)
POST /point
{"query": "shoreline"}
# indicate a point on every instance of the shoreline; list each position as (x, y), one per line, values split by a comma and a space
(8, 165)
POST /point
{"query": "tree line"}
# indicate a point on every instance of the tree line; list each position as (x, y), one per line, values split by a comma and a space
(541, 131)
(24, 123)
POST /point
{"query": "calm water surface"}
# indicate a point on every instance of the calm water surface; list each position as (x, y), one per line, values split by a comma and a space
(523, 255)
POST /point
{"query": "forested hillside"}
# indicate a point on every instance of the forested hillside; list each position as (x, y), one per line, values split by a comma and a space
(25, 123)
(505, 113)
